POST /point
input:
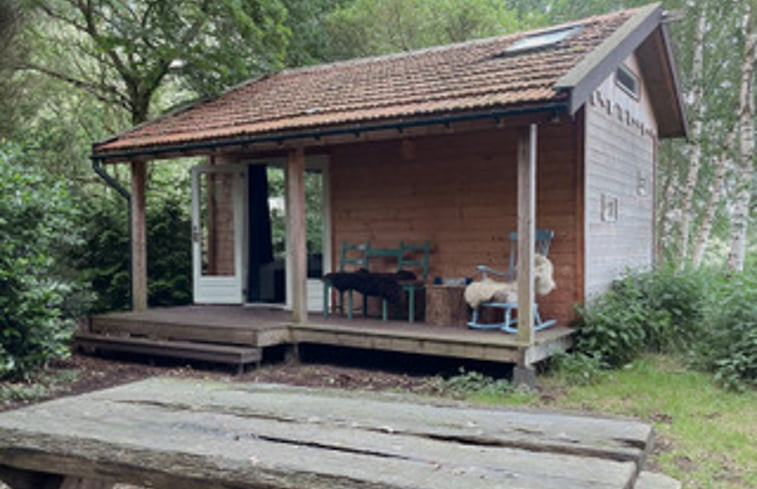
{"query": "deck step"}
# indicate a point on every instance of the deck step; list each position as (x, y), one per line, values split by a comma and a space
(653, 480)
(236, 355)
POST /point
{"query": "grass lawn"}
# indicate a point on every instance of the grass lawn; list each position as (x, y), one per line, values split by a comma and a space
(706, 437)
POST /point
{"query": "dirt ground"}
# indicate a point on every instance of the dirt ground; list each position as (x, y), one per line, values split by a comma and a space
(81, 373)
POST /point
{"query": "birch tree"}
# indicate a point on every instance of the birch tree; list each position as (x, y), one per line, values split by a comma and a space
(740, 219)
(716, 196)
(697, 104)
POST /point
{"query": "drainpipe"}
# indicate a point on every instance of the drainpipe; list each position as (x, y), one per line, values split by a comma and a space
(115, 185)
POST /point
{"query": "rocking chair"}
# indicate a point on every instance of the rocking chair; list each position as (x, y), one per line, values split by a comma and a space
(543, 241)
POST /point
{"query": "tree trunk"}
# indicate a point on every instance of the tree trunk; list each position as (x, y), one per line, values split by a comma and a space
(712, 204)
(740, 218)
(665, 204)
(695, 147)
(140, 108)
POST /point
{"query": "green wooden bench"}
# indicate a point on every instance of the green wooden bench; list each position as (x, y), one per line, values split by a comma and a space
(350, 255)
(407, 256)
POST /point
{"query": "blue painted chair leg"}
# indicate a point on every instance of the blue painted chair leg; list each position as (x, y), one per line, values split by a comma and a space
(507, 326)
(349, 304)
(411, 305)
(539, 323)
(384, 310)
(326, 300)
(474, 324)
(365, 306)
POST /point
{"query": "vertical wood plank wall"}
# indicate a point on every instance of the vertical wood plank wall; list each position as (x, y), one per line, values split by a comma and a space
(459, 191)
(620, 142)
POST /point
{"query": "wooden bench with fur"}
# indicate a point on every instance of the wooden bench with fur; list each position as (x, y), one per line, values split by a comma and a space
(389, 286)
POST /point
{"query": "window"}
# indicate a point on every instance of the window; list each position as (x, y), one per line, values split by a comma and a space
(628, 81)
(541, 39)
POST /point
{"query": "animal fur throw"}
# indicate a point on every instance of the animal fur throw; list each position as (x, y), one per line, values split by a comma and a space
(490, 290)
(384, 285)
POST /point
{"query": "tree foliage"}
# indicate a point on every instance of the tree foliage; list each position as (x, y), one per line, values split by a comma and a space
(371, 27)
(10, 23)
(123, 53)
(36, 229)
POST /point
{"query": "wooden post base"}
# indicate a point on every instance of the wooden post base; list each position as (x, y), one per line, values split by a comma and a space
(292, 354)
(524, 376)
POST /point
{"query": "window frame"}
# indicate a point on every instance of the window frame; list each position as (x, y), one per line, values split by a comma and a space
(635, 94)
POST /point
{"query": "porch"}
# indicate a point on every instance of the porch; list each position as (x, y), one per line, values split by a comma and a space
(237, 335)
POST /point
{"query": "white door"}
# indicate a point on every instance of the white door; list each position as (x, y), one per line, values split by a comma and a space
(218, 197)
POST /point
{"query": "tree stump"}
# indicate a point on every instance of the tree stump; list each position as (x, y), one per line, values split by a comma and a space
(445, 306)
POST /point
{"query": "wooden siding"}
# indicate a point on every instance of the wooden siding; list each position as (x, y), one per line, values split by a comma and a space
(620, 142)
(459, 191)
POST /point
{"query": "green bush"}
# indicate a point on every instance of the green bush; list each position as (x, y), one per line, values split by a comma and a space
(705, 314)
(728, 345)
(673, 305)
(474, 384)
(612, 326)
(36, 230)
(169, 252)
(659, 310)
(103, 259)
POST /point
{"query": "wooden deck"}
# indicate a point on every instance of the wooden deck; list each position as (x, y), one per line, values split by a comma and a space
(166, 433)
(180, 331)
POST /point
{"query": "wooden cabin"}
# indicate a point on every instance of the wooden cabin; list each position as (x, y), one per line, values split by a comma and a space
(459, 145)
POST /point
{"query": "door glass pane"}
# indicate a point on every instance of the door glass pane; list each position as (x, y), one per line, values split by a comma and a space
(217, 223)
(314, 221)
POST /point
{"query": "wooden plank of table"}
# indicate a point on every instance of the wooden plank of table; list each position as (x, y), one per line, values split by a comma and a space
(534, 430)
(167, 433)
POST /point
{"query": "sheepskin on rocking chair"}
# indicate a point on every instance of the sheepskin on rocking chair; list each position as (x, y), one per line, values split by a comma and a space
(504, 295)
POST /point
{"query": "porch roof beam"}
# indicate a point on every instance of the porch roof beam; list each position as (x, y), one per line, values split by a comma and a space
(497, 116)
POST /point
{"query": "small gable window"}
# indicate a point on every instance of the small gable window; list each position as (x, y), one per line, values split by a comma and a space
(628, 81)
(541, 39)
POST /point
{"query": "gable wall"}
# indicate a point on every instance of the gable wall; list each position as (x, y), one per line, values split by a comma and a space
(620, 149)
(459, 191)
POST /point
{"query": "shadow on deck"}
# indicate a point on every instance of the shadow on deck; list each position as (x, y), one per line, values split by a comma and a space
(237, 335)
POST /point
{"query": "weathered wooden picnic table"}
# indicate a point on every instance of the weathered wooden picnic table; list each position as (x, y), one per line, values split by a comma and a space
(177, 433)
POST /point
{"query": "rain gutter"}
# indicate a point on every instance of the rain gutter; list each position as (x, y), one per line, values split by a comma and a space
(496, 115)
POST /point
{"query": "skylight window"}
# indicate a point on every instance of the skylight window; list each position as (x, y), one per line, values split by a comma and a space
(542, 39)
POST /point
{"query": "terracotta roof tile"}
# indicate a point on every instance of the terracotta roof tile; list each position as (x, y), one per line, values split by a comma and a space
(458, 77)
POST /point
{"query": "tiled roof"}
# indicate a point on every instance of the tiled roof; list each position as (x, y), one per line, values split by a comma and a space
(453, 78)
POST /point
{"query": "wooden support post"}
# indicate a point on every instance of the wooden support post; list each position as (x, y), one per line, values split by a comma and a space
(138, 237)
(296, 230)
(526, 231)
